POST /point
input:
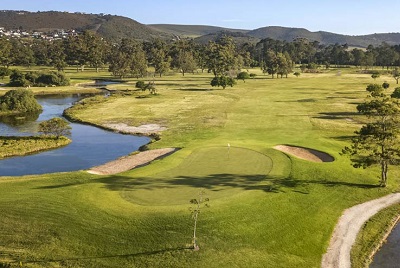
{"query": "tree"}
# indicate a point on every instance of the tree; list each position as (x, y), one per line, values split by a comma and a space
(185, 62)
(377, 142)
(396, 74)
(221, 56)
(223, 81)
(4, 72)
(375, 75)
(19, 101)
(198, 203)
(55, 126)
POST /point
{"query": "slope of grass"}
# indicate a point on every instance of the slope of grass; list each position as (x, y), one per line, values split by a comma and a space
(267, 209)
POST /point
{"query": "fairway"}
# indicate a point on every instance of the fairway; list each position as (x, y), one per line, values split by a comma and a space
(221, 171)
(267, 208)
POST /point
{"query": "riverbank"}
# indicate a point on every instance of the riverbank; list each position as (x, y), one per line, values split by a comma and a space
(349, 225)
(373, 236)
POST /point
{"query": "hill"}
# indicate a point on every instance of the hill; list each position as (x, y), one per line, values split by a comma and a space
(109, 26)
(191, 30)
(117, 27)
(288, 34)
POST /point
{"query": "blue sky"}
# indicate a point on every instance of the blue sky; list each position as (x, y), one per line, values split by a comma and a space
(354, 17)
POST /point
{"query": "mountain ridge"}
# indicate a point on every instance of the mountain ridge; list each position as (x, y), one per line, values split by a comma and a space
(116, 27)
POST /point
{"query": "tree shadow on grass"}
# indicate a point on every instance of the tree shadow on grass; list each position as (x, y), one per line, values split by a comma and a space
(220, 182)
(146, 253)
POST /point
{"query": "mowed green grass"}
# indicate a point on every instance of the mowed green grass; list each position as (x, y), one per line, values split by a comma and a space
(266, 209)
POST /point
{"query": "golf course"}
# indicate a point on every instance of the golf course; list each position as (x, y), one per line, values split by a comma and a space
(267, 207)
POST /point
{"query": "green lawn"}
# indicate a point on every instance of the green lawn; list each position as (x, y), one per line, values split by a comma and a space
(266, 209)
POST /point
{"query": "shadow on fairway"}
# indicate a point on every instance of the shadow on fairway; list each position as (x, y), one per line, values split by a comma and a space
(220, 182)
(147, 253)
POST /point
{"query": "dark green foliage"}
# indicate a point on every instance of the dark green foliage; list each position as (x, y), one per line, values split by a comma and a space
(222, 81)
(252, 75)
(243, 76)
(297, 74)
(41, 79)
(385, 85)
(377, 142)
(140, 84)
(375, 75)
(19, 101)
(4, 72)
(55, 126)
(149, 86)
(17, 79)
(396, 93)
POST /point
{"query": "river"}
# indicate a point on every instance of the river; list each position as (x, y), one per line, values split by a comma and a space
(389, 255)
(90, 146)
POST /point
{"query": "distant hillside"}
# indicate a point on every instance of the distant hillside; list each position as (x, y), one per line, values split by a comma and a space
(109, 26)
(238, 37)
(118, 27)
(191, 30)
(288, 34)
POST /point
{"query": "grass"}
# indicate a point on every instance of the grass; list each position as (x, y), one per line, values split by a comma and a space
(19, 146)
(267, 208)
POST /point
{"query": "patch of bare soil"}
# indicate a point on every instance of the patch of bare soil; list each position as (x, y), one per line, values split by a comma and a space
(130, 162)
(347, 228)
(305, 153)
(143, 129)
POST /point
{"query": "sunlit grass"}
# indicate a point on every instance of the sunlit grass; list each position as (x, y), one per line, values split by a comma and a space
(266, 208)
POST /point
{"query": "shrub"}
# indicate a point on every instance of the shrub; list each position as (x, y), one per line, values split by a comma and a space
(297, 74)
(222, 81)
(243, 76)
(140, 84)
(55, 126)
(385, 85)
(18, 79)
(253, 75)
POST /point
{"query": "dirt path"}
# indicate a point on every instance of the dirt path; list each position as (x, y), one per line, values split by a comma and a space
(129, 162)
(346, 230)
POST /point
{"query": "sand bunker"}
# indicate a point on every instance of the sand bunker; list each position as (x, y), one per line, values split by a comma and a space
(305, 153)
(143, 129)
(126, 163)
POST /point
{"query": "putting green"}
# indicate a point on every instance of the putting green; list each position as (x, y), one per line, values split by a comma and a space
(220, 171)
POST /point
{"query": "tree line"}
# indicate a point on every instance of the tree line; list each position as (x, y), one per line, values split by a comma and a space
(130, 58)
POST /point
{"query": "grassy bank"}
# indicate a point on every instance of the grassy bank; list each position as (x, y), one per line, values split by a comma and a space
(371, 236)
(266, 208)
(19, 146)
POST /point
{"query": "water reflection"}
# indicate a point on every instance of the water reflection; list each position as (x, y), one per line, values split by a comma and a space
(90, 146)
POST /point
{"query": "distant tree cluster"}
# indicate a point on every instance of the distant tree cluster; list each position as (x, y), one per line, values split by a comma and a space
(222, 57)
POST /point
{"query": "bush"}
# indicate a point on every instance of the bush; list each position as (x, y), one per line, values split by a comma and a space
(253, 75)
(385, 85)
(20, 100)
(55, 126)
(243, 76)
(140, 84)
(4, 72)
(18, 79)
(297, 74)
(396, 93)
(222, 81)
(375, 75)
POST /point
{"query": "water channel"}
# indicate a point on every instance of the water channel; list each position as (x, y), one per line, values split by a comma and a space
(389, 255)
(90, 145)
